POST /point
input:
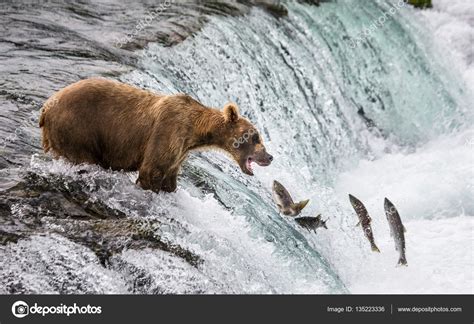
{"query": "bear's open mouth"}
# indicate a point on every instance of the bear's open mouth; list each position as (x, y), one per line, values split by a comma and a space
(248, 166)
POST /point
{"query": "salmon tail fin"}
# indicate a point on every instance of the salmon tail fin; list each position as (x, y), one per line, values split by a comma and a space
(299, 205)
(402, 262)
(375, 248)
(324, 224)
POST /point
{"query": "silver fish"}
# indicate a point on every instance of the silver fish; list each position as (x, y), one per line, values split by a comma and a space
(364, 220)
(397, 230)
(311, 223)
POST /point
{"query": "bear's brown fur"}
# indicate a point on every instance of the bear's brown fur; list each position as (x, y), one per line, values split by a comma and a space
(121, 127)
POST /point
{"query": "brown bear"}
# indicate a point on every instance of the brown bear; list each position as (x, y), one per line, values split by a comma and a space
(121, 127)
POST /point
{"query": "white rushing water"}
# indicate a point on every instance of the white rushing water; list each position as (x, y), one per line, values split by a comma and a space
(302, 81)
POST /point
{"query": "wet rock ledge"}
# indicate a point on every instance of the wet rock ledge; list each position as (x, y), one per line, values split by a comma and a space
(48, 205)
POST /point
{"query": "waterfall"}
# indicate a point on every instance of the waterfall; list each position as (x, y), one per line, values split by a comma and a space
(376, 116)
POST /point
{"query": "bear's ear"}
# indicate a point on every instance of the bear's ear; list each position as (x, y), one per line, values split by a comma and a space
(231, 112)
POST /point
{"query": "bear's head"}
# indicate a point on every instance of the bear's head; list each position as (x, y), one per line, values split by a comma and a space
(242, 140)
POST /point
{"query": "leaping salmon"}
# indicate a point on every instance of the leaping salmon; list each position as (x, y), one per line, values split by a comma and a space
(397, 230)
(311, 223)
(364, 220)
(284, 202)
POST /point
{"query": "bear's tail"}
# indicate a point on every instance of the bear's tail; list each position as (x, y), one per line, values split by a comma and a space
(44, 131)
(45, 140)
(42, 117)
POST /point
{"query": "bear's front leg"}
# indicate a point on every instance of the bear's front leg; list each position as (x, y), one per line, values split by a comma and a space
(150, 180)
(161, 161)
(170, 183)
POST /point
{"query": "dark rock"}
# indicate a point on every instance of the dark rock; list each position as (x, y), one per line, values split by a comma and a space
(277, 10)
(6, 237)
(50, 204)
(311, 2)
(421, 4)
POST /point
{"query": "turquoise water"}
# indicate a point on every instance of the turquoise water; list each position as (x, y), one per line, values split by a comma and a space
(302, 82)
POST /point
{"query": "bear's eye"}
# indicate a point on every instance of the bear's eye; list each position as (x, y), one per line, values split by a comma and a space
(256, 139)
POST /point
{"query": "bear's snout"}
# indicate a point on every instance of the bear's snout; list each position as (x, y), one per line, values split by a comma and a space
(265, 160)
